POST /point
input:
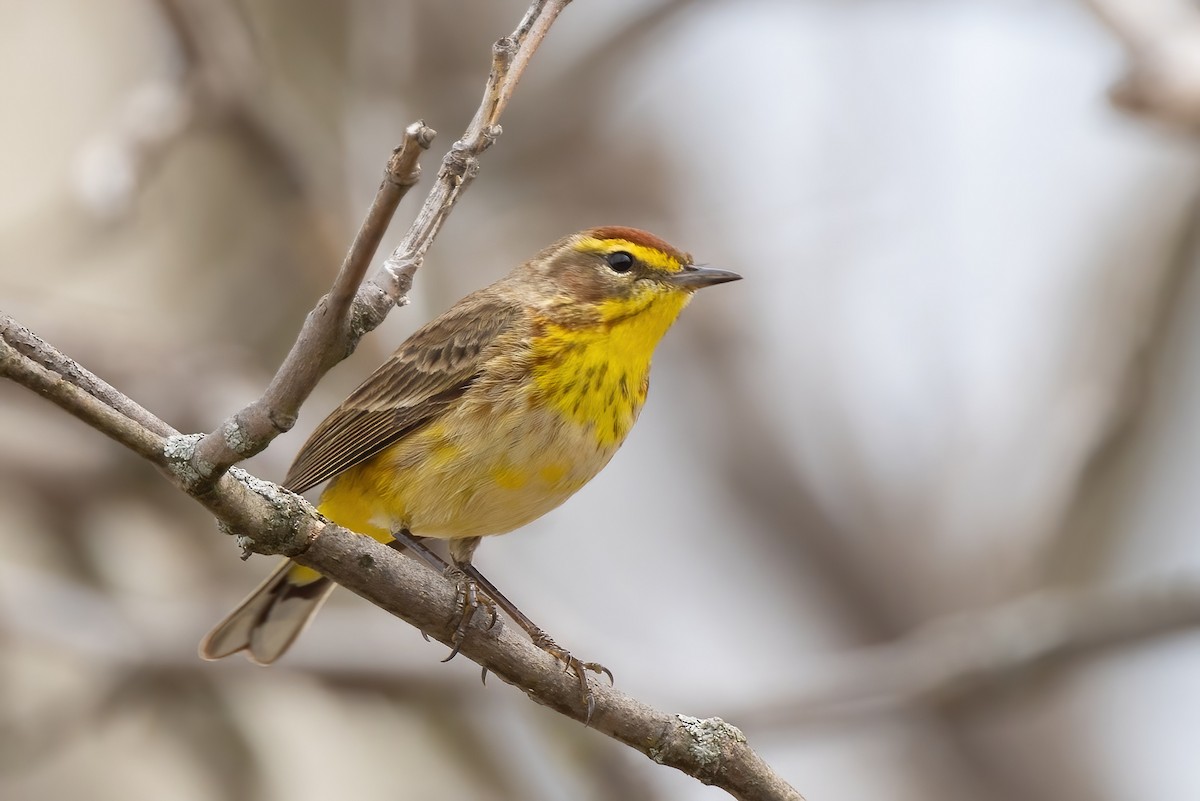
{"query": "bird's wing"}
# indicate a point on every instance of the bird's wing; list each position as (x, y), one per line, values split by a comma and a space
(418, 382)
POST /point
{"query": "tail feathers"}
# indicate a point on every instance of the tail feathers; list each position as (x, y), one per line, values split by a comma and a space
(270, 619)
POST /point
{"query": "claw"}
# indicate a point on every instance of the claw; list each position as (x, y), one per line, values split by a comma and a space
(494, 598)
(600, 670)
(576, 666)
(589, 700)
(483, 677)
(469, 601)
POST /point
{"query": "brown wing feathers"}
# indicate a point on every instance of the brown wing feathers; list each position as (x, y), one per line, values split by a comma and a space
(421, 379)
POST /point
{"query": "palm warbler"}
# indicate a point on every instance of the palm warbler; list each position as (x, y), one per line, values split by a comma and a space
(483, 420)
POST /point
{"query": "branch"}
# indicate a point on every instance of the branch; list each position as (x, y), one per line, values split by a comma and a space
(325, 338)
(34, 348)
(510, 56)
(251, 429)
(101, 415)
(1162, 39)
(268, 519)
(43, 608)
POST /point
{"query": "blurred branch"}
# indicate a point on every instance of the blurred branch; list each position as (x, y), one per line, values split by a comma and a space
(324, 342)
(51, 611)
(218, 78)
(774, 491)
(215, 44)
(977, 653)
(952, 659)
(1162, 39)
(59, 618)
(114, 163)
(268, 519)
(1084, 546)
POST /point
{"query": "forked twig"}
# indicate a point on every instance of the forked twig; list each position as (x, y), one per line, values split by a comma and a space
(333, 329)
(325, 338)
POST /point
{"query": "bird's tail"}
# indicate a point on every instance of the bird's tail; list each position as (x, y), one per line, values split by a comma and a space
(271, 618)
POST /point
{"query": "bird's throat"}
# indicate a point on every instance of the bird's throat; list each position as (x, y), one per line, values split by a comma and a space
(598, 374)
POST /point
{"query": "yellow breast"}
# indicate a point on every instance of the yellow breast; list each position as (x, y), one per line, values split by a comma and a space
(597, 375)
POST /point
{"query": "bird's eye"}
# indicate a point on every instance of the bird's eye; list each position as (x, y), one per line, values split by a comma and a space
(620, 262)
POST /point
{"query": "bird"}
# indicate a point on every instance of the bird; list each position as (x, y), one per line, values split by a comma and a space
(485, 419)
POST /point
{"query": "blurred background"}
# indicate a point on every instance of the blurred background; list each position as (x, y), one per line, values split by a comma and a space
(911, 504)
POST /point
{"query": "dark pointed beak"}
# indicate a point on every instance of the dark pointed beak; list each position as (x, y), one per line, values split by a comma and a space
(693, 277)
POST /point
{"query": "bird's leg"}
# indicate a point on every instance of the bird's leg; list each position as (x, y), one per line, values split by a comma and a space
(469, 598)
(462, 560)
(405, 540)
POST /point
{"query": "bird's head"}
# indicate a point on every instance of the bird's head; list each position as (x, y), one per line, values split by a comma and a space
(612, 274)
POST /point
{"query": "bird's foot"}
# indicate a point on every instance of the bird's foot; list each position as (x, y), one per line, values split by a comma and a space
(576, 666)
(470, 600)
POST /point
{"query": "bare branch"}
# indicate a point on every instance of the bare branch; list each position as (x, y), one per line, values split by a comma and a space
(510, 56)
(328, 338)
(325, 338)
(710, 750)
(217, 78)
(32, 346)
(268, 519)
(61, 392)
(402, 172)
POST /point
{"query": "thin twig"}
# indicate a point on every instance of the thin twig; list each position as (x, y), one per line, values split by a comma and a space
(227, 82)
(324, 339)
(510, 56)
(251, 429)
(402, 172)
(268, 519)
